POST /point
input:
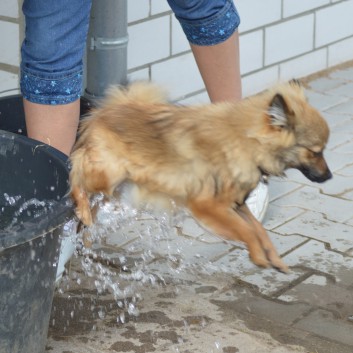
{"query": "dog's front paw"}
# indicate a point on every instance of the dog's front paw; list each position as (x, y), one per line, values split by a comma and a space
(268, 258)
(83, 213)
(259, 259)
(277, 262)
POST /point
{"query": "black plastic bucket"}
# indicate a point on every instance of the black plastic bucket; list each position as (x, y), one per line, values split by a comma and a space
(33, 211)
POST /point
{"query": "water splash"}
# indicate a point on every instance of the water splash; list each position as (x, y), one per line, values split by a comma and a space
(123, 273)
(15, 211)
(132, 249)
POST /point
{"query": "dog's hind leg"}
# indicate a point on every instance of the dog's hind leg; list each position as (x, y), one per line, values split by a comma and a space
(264, 239)
(224, 221)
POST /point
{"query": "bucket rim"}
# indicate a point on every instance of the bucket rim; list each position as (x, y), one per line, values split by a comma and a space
(56, 217)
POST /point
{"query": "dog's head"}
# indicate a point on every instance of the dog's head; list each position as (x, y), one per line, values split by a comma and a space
(290, 113)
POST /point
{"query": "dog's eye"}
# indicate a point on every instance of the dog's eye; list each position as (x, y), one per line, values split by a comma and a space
(316, 154)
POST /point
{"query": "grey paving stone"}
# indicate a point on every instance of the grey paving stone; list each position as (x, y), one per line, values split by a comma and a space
(272, 281)
(267, 281)
(191, 250)
(337, 139)
(346, 171)
(147, 231)
(191, 228)
(266, 309)
(315, 256)
(324, 102)
(346, 150)
(173, 271)
(324, 84)
(295, 176)
(344, 90)
(120, 238)
(336, 160)
(334, 119)
(275, 216)
(324, 324)
(319, 292)
(345, 127)
(338, 186)
(345, 107)
(210, 238)
(286, 243)
(346, 74)
(281, 186)
(309, 198)
(349, 196)
(315, 226)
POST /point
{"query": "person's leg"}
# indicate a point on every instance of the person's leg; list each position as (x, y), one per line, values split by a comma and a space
(211, 29)
(220, 69)
(51, 69)
(55, 125)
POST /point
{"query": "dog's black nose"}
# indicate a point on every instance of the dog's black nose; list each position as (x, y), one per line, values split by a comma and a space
(329, 174)
(324, 177)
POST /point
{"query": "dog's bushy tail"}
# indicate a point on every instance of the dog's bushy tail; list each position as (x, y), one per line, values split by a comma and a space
(137, 92)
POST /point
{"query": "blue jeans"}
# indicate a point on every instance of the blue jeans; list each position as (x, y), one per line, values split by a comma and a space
(206, 22)
(55, 38)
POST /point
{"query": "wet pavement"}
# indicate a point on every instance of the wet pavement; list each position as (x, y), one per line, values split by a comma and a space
(154, 284)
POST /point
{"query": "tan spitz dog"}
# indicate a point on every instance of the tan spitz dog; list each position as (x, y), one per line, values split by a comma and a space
(207, 158)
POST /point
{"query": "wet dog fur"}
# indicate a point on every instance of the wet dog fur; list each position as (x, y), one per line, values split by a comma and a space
(207, 158)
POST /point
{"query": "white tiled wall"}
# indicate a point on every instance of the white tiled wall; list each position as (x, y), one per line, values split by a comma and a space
(149, 41)
(257, 13)
(340, 52)
(303, 65)
(289, 39)
(9, 9)
(179, 75)
(294, 7)
(334, 23)
(280, 39)
(252, 44)
(9, 46)
(8, 56)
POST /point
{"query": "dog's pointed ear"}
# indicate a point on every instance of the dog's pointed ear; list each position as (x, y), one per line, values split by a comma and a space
(279, 112)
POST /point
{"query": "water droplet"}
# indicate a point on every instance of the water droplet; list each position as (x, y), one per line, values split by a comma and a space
(101, 314)
(122, 317)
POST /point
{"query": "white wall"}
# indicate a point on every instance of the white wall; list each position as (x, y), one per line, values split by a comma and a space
(279, 40)
(9, 45)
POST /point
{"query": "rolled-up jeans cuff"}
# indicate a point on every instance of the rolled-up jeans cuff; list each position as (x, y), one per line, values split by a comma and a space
(213, 30)
(51, 89)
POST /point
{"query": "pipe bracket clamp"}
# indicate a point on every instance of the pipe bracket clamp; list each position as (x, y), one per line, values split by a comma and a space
(108, 43)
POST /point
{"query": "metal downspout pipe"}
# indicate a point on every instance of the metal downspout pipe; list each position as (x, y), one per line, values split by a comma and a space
(106, 47)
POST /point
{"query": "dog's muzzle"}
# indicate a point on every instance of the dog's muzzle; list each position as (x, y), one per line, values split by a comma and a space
(315, 175)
